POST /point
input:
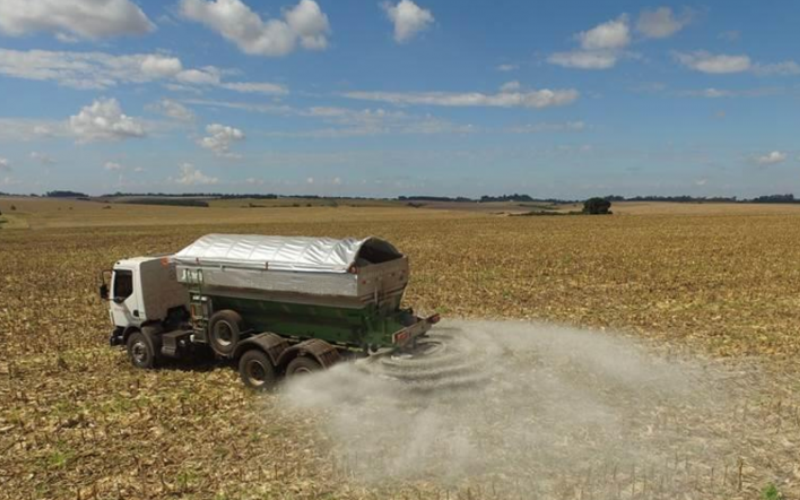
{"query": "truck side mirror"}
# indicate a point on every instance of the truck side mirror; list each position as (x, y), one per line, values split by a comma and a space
(104, 291)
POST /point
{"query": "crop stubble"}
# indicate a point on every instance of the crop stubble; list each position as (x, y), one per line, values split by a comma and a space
(78, 421)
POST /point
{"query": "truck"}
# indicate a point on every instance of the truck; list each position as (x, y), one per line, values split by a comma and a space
(276, 306)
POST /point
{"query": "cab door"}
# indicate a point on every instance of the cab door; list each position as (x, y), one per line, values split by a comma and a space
(124, 304)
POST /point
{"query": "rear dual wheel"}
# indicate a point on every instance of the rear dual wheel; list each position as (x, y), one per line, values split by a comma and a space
(258, 373)
(302, 365)
(256, 370)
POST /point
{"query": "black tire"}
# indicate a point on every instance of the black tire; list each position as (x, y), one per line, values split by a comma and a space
(256, 370)
(141, 351)
(302, 365)
(224, 332)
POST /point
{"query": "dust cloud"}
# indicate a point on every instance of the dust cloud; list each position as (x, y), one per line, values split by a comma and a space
(534, 407)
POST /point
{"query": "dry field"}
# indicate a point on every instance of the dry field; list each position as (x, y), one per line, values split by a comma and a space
(77, 421)
(42, 213)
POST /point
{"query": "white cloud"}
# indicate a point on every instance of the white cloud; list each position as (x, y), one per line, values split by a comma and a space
(511, 86)
(235, 21)
(257, 107)
(112, 166)
(408, 18)
(103, 120)
(601, 46)
(706, 62)
(786, 68)
(5, 165)
(507, 67)
(523, 98)
(772, 158)
(715, 93)
(157, 66)
(68, 19)
(220, 139)
(662, 22)
(43, 158)
(346, 122)
(172, 109)
(204, 76)
(100, 70)
(191, 176)
(309, 23)
(9, 181)
(82, 70)
(582, 59)
(536, 128)
(611, 35)
(260, 88)
(26, 129)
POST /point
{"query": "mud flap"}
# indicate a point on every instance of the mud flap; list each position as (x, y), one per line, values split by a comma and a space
(326, 354)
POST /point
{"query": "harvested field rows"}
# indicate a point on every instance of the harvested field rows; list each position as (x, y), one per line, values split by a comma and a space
(78, 422)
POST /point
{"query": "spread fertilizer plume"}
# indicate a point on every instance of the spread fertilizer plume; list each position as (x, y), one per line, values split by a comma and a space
(524, 407)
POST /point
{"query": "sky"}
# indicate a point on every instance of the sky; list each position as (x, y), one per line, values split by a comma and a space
(564, 99)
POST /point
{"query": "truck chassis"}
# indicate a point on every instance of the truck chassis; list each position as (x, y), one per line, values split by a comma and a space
(280, 317)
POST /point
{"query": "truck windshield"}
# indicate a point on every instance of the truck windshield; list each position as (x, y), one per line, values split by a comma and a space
(123, 284)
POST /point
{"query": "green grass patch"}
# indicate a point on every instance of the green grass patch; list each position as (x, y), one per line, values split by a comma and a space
(771, 492)
(61, 456)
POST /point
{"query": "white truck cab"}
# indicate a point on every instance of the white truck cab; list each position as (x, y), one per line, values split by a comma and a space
(143, 290)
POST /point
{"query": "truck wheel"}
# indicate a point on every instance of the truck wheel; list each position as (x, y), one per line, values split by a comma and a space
(224, 330)
(256, 370)
(141, 351)
(302, 365)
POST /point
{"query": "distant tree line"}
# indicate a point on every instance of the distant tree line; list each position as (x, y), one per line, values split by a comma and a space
(65, 194)
(220, 196)
(435, 198)
(775, 198)
(507, 197)
(677, 199)
(229, 196)
(516, 198)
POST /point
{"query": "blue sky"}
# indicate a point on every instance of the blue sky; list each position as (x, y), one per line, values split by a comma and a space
(554, 99)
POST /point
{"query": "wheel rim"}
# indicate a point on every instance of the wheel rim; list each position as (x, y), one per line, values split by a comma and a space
(302, 370)
(256, 373)
(139, 352)
(224, 334)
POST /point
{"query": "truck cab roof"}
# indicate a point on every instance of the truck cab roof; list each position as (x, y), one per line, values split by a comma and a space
(132, 262)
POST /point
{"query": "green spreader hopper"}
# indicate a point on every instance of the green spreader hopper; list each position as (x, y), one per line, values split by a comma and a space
(345, 292)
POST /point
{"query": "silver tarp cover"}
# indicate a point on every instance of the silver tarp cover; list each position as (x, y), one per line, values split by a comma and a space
(277, 253)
